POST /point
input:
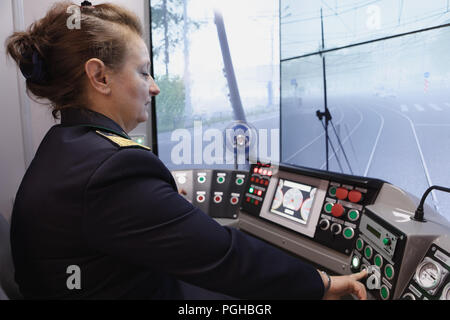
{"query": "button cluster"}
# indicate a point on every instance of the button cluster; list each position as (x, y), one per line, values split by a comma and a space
(341, 211)
(364, 256)
(259, 182)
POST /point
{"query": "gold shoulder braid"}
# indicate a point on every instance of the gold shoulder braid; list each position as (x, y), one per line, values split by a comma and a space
(121, 142)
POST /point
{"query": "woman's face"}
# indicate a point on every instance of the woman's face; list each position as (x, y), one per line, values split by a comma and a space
(133, 87)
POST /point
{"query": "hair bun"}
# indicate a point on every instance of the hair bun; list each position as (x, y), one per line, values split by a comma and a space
(34, 71)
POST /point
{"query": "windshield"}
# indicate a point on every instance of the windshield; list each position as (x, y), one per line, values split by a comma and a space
(381, 70)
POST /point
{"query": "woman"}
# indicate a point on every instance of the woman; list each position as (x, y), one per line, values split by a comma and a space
(95, 203)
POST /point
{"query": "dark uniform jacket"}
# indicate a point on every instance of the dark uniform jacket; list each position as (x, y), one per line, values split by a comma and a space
(94, 199)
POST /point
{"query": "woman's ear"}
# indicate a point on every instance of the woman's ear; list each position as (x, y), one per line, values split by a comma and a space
(96, 72)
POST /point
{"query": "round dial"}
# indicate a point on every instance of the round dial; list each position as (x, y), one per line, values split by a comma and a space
(306, 208)
(428, 274)
(278, 200)
(446, 292)
(293, 199)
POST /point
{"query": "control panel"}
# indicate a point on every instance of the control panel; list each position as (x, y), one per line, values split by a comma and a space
(338, 222)
(378, 249)
(431, 279)
(216, 192)
(328, 210)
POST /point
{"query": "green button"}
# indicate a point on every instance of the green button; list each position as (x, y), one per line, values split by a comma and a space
(384, 292)
(389, 272)
(201, 179)
(353, 215)
(359, 244)
(368, 252)
(348, 233)
(251, 190)
(239, 181)
(378, 260)
(333, 191)
(386, 241)
(220, 179)
(328, 207)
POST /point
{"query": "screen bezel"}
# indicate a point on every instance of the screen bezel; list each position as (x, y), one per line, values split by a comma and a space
(309, 228)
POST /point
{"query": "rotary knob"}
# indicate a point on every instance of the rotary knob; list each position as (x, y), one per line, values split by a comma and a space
(336, 228)
(324, 224)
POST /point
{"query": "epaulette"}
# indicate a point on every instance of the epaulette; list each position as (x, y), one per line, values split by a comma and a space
(121, 142)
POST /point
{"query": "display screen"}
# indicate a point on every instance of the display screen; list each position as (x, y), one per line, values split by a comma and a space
(293, 200)
(373, 231)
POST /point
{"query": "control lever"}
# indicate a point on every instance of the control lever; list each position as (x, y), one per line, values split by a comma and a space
(374, 277)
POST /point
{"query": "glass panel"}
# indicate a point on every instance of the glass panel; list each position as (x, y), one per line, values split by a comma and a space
(390, 109)
(352, 21)
(302, 94)
(189, 67)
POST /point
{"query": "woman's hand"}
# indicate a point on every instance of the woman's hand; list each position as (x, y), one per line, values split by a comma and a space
(345, 285)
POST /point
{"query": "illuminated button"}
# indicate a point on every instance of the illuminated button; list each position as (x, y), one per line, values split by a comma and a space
(359, 244)
(378, 260)
(349, 233)
(218, 199)
(328, 207)
(201, 179)
(389, 271)
(356, 261)
(239, 181)
(353, 215)
(368, 252)
(269, 173)
(234, 200)
(354, 196)
(200, 198)
(386, 241)
(260, 171)
(255, 170)
(181, 179)
(251, 190)
(220, 179)
(341, 193)
(337, 210)
(259, 192)
(332, 191)
(384, 292)
(264, 172)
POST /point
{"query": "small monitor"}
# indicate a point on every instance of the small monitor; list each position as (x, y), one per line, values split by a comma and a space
(295, 201)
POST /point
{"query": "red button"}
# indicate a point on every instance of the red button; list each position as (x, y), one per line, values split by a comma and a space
(257, 180)
(337, 210)
(341, 193)
(267, 182)
(234, 200)
(256, 202)
(259, 192)
(248, 199)
(252, 179)
(255, 170)
(355, 196)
